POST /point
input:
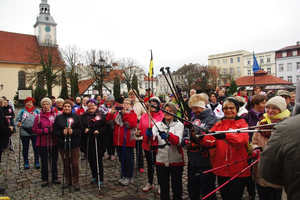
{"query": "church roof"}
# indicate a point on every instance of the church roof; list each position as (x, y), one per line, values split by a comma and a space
(22, 48)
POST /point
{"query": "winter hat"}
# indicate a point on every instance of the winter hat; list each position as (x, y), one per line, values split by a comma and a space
(172, 106)
(234, 101)
(279, 102)
(110, 97)
(59, 100)
(91, 101)
(283, 93)
(68, 102)
(30, 99)
(104, 95)
(155, 99)
(241, 100)
(197, 100)
(120, 99)
(46, 99)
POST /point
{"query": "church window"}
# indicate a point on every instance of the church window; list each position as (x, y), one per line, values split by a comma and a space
(48, 38)
(21, 79)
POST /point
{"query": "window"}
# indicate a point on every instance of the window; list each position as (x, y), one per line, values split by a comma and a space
(262, 69)
(224, 61)
(248, 62)
(289, 67)
(298, 78)
(146, 86)
(225, 71)
(218, 62)
(178, 77)
(249, 72)
(294, 53)
(212, 63)
(298, 65)
(238, 59)
(219, 71)
(225, 81)
(231, 60)
(160, 88)
(269, 70)
(231, 71)
(268, 60)
(281, 77)
(261, 60)
(238, 70)
(175, 78)
(21, 79)
(280, 67)
(40, 80)
(290, 79)
(283, 54)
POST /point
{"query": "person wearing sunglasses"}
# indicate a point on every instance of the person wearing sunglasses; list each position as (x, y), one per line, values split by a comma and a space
(275, 111)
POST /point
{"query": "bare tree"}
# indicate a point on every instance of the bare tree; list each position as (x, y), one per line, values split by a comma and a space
(189, 74)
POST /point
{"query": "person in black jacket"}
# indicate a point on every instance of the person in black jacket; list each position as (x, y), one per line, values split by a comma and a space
(199, 157)
(95, 128)
(5, 133)
(68, 127)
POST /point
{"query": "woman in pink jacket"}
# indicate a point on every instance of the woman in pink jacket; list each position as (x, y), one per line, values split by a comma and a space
(42, 126)
(150, 154)
(125, 120)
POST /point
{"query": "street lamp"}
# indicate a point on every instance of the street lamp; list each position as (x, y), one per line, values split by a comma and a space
(100, 70)
(1, 87)
(203, 73)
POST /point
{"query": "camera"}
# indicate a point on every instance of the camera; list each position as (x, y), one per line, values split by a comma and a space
(119, 107)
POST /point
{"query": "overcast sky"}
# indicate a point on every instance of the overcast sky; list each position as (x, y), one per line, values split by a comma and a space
(178, 32)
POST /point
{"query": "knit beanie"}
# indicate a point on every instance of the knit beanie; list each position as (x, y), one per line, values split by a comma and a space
(110, 97)
(120, 99)
(91, 101)
(279, 102)
(172, 106)
(234, 101)
(197, 100)
(68, 102)
(156, 100)
(46, 99)
(30, 99)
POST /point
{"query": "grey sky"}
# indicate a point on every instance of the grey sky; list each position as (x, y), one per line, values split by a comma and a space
(178, 32)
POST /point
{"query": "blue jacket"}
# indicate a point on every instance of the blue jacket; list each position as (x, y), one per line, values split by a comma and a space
(27, 119)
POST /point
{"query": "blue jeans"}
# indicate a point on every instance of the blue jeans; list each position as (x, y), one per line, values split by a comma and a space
(25, 142)
(128, 164)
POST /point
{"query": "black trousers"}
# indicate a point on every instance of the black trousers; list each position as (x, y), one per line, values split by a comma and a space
(163, 175)
(44, 161)
(233, 190)
(110, 146)
(250, 183)
(268, 193)
(151, 160)
(93, 164)
(139, 153)
(200, 184)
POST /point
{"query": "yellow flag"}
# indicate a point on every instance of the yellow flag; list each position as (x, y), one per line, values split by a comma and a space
(151, 66)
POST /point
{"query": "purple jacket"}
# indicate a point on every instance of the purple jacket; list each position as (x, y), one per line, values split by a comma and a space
(251, 118)
(41, 122)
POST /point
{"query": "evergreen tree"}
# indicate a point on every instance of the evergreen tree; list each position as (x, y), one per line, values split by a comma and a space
(39, 94)
(232, 89)
(135, 83)
(64, 88)
(117, 87)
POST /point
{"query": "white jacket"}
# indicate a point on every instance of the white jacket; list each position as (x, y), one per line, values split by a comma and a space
(217, 111)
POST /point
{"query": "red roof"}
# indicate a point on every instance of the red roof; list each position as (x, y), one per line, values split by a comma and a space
(19, 48)
(84, 85)
(146, 78)
(261, 78)
(297, 46)
(112, 74)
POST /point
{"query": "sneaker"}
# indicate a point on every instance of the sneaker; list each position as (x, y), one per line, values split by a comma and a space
(121, 179)
(44, 183)
(127, 181)
(141, 170)
(26, 165)
(56, 182)
(148, 187)
(100, 183)
(113, 157)
(158, 190)
(93, 181)
(76, 187)
(37, 165)
(66, 185)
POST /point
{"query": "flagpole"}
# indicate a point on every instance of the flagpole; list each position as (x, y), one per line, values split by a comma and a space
(253, 77)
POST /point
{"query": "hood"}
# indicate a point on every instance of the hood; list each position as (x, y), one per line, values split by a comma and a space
(207, 112)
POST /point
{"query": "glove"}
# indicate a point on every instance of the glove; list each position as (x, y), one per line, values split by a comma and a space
(96, 135)
(187, 124)
(220, 136)
(257, 151)
(149, 132)
(164, 135)
(45, 130)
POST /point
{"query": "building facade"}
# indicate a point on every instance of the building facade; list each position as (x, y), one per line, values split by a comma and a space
(229, 64)
(288, 63)
(265, 60)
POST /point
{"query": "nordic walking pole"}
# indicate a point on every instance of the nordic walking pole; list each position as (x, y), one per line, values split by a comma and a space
(64, 159)
(7, 154)
(48, 158)
(97, 160)
(124, 149)
(87, 156)
(17, 163)
(20, 149)
(70, 175)
(230, 179)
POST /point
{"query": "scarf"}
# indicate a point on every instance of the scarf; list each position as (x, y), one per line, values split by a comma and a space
(119, 121)
(281, 115)
(30, 110)
(92, 119)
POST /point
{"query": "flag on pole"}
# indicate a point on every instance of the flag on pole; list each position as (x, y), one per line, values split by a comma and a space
(255, 64)
(151, 66)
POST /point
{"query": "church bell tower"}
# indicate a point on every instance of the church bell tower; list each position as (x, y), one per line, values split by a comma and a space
(45, 26)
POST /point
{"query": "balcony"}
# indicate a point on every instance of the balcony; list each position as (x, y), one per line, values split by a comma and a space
(224, 76)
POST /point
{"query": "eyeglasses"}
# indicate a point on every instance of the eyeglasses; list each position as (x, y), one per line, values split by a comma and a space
(272, 108)
(229, 108)
(127, 103)
(132, 94)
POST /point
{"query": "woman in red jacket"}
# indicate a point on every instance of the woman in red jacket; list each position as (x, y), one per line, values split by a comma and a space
(230, 147)
(125, 120)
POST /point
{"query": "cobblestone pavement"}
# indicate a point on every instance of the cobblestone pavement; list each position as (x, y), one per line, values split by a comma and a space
(32, 189)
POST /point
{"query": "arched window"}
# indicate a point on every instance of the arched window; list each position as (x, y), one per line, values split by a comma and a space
(21, 79)
(48, 39)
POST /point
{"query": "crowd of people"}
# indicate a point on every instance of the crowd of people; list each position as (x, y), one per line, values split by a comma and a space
(160, 130)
